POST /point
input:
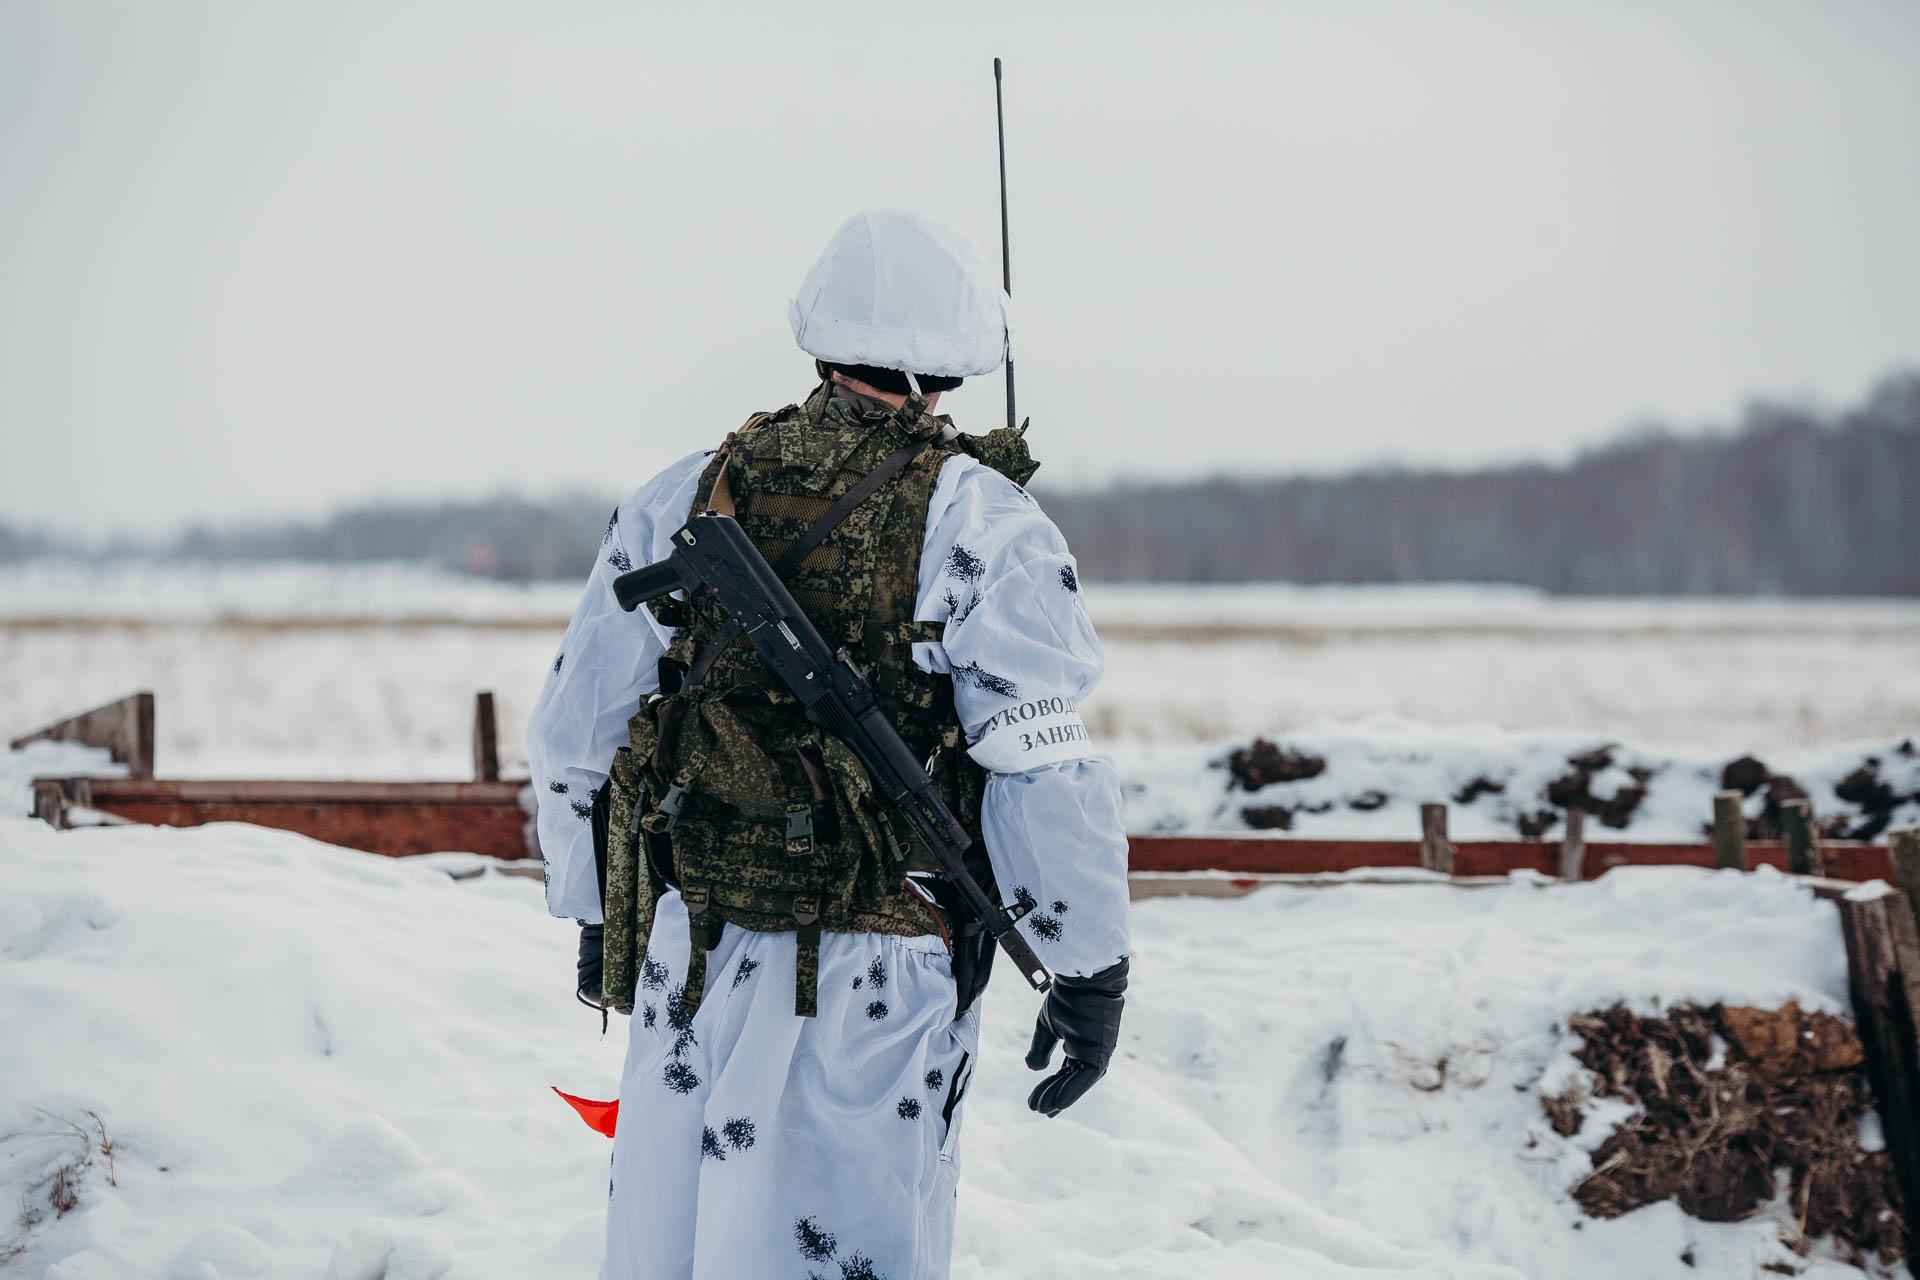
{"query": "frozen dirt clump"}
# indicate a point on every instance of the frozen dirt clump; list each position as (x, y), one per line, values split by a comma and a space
(1574, 789)
(1872, 795)
(1263, 763)
(1733, 1104)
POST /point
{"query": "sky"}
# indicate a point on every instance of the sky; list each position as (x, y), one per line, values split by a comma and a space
(259, 259)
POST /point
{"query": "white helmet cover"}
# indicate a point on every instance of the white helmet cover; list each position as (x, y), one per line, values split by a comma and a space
(898, 291)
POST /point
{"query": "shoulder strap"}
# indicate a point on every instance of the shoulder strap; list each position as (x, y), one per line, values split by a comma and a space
(890, 466)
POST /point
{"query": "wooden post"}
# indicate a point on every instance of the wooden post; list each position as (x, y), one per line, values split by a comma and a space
(1729, 832)
(122, 729)
(1436, 851)
(1905, 847)
(486, 741)
(50, 801)
(1803, 843)
(1883, 977)
(1573, 846)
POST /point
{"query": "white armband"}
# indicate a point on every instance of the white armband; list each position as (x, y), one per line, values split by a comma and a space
(1030, 734)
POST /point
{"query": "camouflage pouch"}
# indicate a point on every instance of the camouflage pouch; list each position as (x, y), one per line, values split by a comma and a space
(1004, 449)
(632, 887)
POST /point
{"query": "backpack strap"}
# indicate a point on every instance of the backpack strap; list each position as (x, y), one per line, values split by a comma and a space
(806, 957)
(703, 929)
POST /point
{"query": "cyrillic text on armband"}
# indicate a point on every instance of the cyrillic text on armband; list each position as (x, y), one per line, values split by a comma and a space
(1032, 733)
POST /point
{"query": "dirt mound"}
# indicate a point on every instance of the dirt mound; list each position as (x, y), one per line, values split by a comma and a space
(1263, 763)
(1745, 775)
(1875, 797)
(1729, 1098)
(1574, 789)
(1614, 785)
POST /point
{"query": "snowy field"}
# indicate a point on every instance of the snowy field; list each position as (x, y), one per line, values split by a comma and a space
(311, 670)
(315, 1063)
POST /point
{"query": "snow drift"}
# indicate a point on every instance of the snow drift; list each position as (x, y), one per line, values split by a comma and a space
(311, 1062)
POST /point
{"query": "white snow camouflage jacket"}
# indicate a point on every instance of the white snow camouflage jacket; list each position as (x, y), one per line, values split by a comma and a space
(996, 571)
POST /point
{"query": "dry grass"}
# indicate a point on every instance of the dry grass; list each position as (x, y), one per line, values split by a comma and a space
(59, 1190)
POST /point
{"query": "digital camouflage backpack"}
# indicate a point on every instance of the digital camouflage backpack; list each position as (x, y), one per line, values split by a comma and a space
(725, 790)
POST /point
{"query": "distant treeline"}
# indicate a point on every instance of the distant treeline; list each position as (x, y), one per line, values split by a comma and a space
(504, 537)
(1791, 501)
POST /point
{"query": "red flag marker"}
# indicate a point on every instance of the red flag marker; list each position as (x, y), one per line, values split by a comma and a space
(599, 1116)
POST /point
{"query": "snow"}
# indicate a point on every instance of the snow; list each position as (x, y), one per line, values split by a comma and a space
(1186, 788)
(19, 767)
(142, 592)
(314, 671)
(370, 671)
(313, 1062)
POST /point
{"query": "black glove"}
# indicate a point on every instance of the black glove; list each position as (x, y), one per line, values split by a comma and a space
(587, 983)
(1084, 1013)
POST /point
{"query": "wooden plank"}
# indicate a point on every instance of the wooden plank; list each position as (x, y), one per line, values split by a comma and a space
(1855, 860)
(1503, 857)
(1904, 847)
(51, 799)
(1276, 855)
(486, 740)
(453, 815)
(123, 729)
(1436, 851)
(310, 791)
(394, 818)
(1803, 842)
(1573, 846)
(1301, 855)
(1729, 832)
(1899, 1045)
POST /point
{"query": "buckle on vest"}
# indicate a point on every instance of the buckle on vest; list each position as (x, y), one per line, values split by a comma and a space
(806, 911)
(896, 848)
(799, 830)
(671, 803)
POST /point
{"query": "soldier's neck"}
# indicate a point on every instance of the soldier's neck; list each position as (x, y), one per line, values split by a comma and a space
(864, 397)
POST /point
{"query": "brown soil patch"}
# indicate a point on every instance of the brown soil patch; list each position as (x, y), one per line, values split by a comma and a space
(1785, 1100)
(1264, 763)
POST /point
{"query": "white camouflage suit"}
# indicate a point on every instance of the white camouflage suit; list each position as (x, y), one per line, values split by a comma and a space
(753, 1143)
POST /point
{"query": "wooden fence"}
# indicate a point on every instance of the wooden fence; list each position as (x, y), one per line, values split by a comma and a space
(494, 816)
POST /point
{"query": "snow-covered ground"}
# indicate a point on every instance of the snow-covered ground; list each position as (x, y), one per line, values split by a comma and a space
(370, 671)
(317, 1063)
(176, 591)
(1498, 784)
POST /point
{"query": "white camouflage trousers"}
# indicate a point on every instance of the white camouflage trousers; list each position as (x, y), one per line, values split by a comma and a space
(753, 1143)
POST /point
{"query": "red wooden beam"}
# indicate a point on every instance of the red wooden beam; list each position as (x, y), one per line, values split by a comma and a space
(395, 818)
(494, 818)
(1291, 855)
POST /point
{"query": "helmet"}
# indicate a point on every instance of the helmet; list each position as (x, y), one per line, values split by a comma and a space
(894, 290)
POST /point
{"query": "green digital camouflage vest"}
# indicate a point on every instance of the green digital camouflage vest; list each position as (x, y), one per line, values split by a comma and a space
(725, 789)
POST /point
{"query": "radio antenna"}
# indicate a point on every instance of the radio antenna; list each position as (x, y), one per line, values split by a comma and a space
(1006, 250)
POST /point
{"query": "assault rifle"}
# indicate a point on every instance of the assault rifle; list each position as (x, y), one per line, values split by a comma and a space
(711, 550)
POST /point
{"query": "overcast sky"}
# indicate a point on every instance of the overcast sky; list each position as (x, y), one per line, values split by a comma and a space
(264, 258)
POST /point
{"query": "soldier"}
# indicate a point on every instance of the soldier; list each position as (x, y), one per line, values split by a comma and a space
(803, 1038)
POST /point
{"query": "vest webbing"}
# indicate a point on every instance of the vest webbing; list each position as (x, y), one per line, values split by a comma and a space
(758, 817)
